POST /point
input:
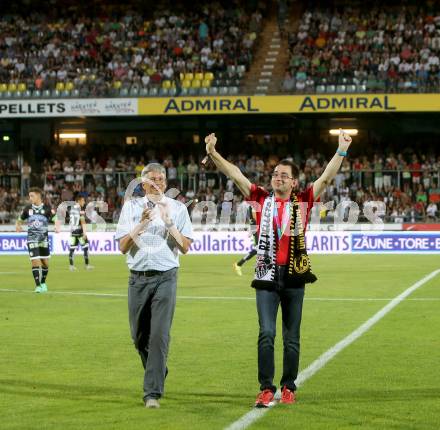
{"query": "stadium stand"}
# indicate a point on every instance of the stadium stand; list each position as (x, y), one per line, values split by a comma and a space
(409, 185)
(168, 52)
(350, 49)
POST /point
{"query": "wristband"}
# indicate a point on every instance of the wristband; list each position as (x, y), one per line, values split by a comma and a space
(341, 153)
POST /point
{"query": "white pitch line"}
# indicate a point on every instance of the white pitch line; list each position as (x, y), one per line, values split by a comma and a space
(255, 414)
(309, 299)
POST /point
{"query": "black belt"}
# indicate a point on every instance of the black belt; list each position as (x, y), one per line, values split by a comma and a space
(146, 272)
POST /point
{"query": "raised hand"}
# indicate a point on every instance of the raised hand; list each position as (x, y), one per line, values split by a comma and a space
(344, 140)
(210, 141)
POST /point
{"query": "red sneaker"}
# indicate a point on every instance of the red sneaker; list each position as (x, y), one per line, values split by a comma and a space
(287, 396)
(264, 398)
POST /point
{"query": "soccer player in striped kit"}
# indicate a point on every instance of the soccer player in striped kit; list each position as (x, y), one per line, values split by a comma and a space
(38, 215)
(78, 234)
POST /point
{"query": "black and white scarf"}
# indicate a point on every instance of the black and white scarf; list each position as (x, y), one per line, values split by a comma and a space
(298, 270)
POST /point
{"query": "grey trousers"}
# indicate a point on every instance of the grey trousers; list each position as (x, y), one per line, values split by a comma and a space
(151, 304)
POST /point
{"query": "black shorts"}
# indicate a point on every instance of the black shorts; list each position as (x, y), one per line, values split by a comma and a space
(75, 240)
(38, 250)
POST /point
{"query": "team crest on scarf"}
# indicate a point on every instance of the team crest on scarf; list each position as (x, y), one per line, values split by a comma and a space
(298, 271)
(263, 265)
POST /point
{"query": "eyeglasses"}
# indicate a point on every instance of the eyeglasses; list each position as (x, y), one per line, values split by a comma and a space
(156, 180)
(283, 176)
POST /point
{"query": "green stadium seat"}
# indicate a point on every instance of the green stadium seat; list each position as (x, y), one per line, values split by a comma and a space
(143, 92)
(341, 88)
(213, 91)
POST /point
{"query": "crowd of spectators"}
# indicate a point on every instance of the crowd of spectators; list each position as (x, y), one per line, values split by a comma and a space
(97, 55)
(386, 48)
(409, 184)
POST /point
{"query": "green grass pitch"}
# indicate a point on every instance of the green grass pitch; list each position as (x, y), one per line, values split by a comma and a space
(67, 361)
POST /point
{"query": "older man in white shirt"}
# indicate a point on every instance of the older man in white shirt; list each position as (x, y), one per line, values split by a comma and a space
(151, 232)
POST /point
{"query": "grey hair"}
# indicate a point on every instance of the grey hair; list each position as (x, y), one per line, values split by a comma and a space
(153, 167)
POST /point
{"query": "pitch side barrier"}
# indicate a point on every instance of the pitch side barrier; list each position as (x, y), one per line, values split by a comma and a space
(239, 242)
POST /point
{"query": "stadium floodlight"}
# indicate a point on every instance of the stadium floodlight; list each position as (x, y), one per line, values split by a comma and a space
(349, 131)
(73, 135)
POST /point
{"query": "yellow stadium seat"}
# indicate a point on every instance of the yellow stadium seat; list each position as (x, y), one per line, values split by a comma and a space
(186, 84)
(21, 86)
(166, 84)
(59, 86)
(12, 87)
(182, 76)
(3, 88)
(209, 76)
(70, 86)
(206, 83)
(196, 83)
(189, 76)
(117, 85)
(199, 76)
(92, 77)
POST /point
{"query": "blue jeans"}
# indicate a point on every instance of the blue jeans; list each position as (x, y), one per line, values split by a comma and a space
(291, 300)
